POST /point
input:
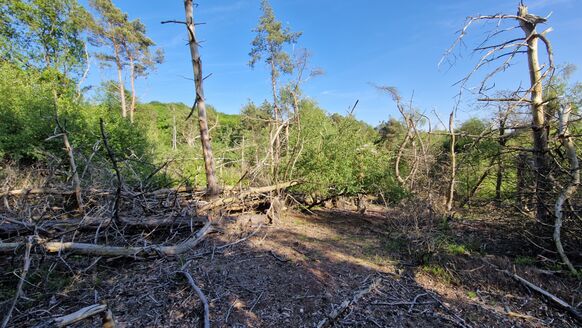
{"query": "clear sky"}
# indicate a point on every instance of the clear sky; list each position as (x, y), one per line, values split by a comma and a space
(356, 43)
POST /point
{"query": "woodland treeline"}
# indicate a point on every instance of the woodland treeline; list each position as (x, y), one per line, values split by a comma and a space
(96, 155)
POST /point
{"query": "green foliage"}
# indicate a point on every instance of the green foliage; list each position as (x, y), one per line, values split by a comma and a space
(269, 42)
(456, 249)
(438, 272)
(471, 294)
(27, 112)
(339, 156)
(44, 33)
(525, 260)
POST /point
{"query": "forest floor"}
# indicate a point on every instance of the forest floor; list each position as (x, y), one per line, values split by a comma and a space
(296, 272)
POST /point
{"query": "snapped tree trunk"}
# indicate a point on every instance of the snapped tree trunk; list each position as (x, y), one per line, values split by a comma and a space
(121, 85)
(570, 189)
(71, 155)
(539, 125)
(132, 82)
(211, 181)
(451, 193)
(275, 148)
(500, 166)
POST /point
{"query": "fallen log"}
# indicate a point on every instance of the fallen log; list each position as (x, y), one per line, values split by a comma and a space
(79, 315)
(36, 191)
(241, 196)
(10, 226)
(114, 251)
(82, 314)
(554, 300)
(97, 192)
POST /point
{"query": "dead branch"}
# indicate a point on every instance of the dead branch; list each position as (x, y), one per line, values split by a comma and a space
(556, 301)
(90, 222)
(451, 194)
(115, 167)
(202, 297)
(77, 316)
(253, 191)
(332, 317)
(25, 268)
(115, 251)
(568, 191)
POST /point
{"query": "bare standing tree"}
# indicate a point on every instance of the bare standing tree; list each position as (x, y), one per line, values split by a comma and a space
(200, 102)
(453, 155)
(212, 188)
(503, 52)
(568, 143)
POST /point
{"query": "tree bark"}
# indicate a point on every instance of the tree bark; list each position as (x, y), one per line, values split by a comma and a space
(211, 181)
(277, 145)
(539, 125)
(500, 166)
(451, 193)
(132, 82)
(76, 180)
(568, 143)
(121, 85)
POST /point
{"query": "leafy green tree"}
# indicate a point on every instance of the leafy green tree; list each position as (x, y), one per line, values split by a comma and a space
(111, 30)
(269, 45)
(45, 33)
(390, 133)
(140, 58)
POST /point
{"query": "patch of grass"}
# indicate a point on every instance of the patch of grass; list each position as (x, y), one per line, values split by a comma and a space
(456, 249)
(524, 260)
(438, 272)
(472, 295)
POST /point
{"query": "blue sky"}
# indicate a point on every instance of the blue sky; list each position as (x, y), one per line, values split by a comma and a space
(357, 44)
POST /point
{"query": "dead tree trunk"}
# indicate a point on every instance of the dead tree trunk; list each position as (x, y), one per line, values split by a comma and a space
(211, 181)
(132, 83)
(275, 148)
(70, 153)
(568, 143)
(121, 85)
(76, 180)
(174, 131)
(500, 167)
(539, 125)
(451, 193)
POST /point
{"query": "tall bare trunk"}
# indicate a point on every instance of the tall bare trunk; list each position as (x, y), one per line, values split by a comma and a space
(500, 166)
(174, 133)
(539, 126)
(275, 148)
(132, 82)
(211, 181)
(568, 143)
(121, 84)
(451, 193)
(70, 153)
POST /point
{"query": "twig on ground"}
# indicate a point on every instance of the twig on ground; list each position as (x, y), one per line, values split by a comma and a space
(333, 316)
(459, 321)
(240, 240)
(277, 257)
(201, 296)
(25, 268)
(256, 301)
(556, 301)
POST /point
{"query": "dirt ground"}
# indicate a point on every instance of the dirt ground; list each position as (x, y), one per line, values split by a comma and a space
(296, 272)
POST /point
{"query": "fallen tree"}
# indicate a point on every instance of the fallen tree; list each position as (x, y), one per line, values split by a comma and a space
(113, 251)
(9, 226)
